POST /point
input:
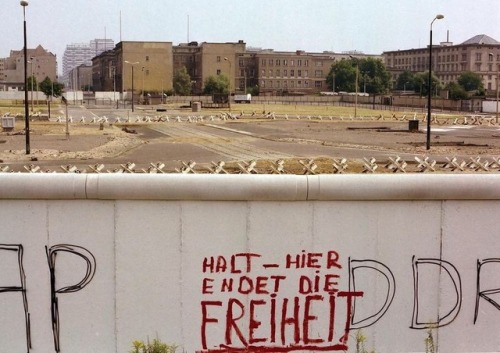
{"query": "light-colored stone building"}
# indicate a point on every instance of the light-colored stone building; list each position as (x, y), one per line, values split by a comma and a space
(211, 59)
(479, 54)
(41, 64)
(297, 72)
(150, 62)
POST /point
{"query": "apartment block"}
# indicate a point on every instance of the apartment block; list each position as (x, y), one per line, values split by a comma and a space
(41, 64)
(479, 54)
(77, 54)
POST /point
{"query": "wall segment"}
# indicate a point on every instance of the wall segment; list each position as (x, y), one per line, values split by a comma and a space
(235, 263)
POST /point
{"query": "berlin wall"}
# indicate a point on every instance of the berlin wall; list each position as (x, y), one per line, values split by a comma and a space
(237, 263)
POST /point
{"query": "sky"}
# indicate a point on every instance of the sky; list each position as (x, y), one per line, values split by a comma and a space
(368, 26)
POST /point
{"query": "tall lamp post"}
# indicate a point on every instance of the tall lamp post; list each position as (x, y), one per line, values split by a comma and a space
(356, 84)
(230, 85)
(24, 3)
(428, 146)
(132, 65)
(498, 74)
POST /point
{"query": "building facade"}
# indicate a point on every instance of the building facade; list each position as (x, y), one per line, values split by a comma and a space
(80, 78)
(77, 54)
(479, 54)
(41, 64)
(141, 67)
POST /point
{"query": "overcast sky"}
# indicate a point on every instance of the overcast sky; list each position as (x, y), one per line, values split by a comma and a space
(312, 25)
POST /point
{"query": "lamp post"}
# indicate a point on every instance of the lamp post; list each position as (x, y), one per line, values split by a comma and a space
(356, 84)
(24, 3)
(142, 91)
(32, 83)
(230, 85)
(498, 74)
(428, 146)
(132, 65)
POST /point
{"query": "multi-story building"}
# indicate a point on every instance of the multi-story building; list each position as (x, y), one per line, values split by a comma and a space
(80, 78)
(210, 59)
(77, 54)
(297, 72)
(41, 64)
(479, 54)
(143, 66)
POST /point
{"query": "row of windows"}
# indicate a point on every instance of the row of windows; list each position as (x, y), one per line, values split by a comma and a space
(285, 72)
(285, 62)
(284, 84)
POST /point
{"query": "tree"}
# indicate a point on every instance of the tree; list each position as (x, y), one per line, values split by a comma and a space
(32, 83)
(216, 84)
(50, 88)
(372, 74)
(182, 82)
(343, 73)
(471, 82)
(457, 92)
(406, 82)
(420, 83)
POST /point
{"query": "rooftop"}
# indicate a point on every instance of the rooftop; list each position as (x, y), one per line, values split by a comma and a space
(481, 39)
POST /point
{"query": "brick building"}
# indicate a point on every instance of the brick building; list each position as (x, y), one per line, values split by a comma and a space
(41, 64)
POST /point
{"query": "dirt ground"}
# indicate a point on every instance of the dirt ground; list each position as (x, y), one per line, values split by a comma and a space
(297, 139)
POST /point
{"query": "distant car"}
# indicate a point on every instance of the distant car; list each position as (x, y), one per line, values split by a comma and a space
(243, 98)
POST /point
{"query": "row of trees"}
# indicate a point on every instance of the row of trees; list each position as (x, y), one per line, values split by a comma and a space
(372, 77)
(467, 83)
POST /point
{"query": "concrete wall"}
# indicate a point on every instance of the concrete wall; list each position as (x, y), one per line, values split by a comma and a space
(215, 263)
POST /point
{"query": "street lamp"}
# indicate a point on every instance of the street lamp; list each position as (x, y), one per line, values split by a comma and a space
(438, 17)
(142, 91)
(357, 76)
(24, 3)
(132, 65)
(498, 74)
(229, 100)
(31, 64)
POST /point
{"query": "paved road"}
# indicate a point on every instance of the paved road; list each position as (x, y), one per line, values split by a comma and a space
(247, 139)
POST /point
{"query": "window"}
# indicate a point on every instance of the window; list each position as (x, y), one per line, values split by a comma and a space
(318, 84)
(291, 63)
(242, 72)
(218, 59)
(277, 72)
(299, 83)
(306, 73)
(478, 56)
(285, 73)
(318, 73)
(299, 73)
(147, 57)
(306, 62)
(306, 84)
(299, 62)
(218, 72)
(285, 62)
(263, 62)
(319, 63)
(241, 63)
(263, 72)
(292, 73)
(270, 73)
(278, 62)
(271, 62)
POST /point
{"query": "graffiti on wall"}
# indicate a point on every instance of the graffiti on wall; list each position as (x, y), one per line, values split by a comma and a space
(252, 305)
(52, 252)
